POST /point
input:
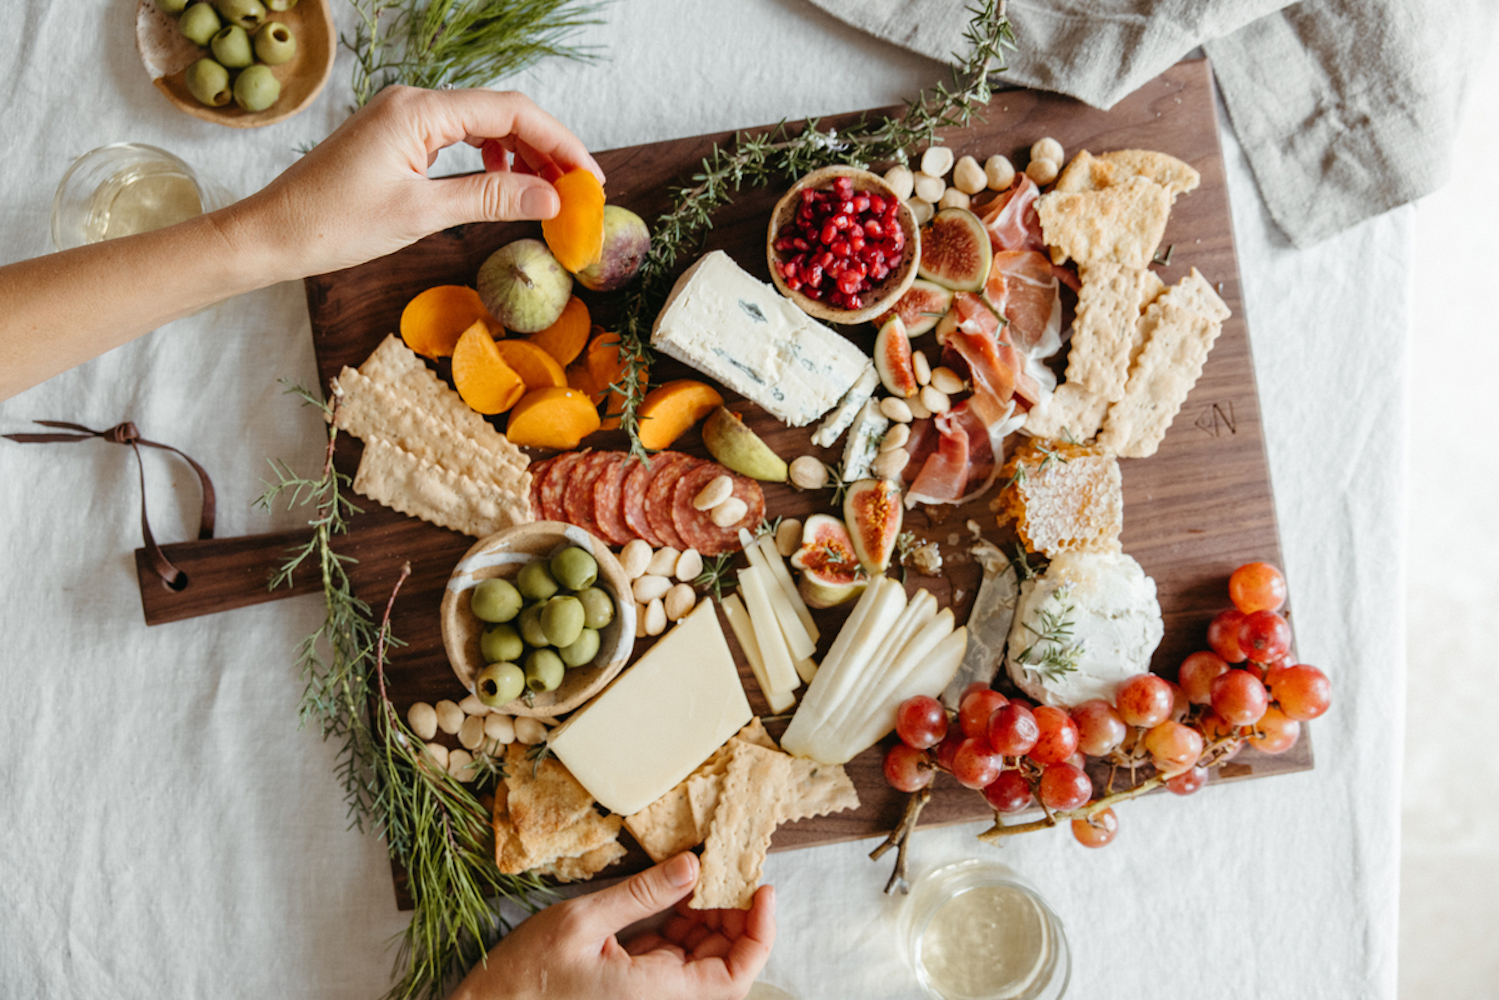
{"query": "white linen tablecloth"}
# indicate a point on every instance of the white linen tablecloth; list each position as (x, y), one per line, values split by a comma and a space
(169, 832)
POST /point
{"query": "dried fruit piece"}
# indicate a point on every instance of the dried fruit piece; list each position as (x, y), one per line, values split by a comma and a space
(480, 374)
(552, 418)
(535, 366)
(602, 366)
(433, 321)
(668, 410)
(565, 339)
(576, 233)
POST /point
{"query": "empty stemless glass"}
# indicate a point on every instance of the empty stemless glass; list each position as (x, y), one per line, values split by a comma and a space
(123, 189)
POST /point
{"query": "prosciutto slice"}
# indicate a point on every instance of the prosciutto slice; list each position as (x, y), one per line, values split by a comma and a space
(968, 453)
(1012, 220)
(1023, 287)
(998, 368)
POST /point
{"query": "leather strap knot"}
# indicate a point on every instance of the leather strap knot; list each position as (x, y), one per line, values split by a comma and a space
(127, 433)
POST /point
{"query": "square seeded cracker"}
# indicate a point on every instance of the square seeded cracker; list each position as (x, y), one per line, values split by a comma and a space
(755, 789)
(1122, 224)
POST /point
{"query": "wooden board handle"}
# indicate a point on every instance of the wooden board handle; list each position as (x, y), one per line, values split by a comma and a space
(222, 573)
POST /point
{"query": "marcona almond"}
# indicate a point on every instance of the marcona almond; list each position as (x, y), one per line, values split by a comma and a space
(529, 731)
(919, 410)
(635, 557)
(809, 473)
(789, 537)
(936, 161)
(655, 617)
(715, 493)
(1048, 149)
(890, 464)
(639, 620)
(900, 180)
(895, 437)
(928, 188)
(449, 716)
(663, 562)
(1043, 171)
(689, 565)
(679, 600)
(968, 176)
(438, 754)
(922, 367)
(500, 728)
(730, 512)
(649, 587)
(953, 198)
(471, 733)
(946, 380)
(423, 720)
(461, 766)
(999, 172)
(471, 705)
(898, 410)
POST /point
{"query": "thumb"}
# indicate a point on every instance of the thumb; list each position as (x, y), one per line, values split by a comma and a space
(642, 895)
(494, 196)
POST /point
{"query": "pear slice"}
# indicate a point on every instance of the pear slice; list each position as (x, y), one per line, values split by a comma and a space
(741, 449)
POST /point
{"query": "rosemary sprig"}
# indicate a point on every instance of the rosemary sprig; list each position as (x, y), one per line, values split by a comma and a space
(1061, 655)
(459, 43)
(1050, 457)
(787, 151)
(434, 826)
(716, 576)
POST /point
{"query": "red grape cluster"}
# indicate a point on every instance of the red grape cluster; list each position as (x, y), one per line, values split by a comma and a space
(1015, 752)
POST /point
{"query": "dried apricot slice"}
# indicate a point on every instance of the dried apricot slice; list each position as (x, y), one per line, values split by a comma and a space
(565, 339)
(480, 374)
(552, 418)
(432, 322)
(576, 233)
(669, 410)
(536, 367)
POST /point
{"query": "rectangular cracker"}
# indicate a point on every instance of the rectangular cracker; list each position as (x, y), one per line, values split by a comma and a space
(547, 816)
(1108, 308)
(392, 476)
(1071, 412)
(665, 827)
(750, 807)
(1121, 224)
(1168, 367)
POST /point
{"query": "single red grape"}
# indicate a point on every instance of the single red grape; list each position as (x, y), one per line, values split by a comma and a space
(1257, 586)
(1303, 692)
(1187, 781)
(1239, 698)
(907, 769)
(1144, 700)
(1180, 704)
(1223, 635)
(975, 686)
(1009, 793)
(921, 722)
(975, 765)
(1099, 728)
(1013, 730)
(1197, 673)
(1277, 733)
(1264, 636)
(1057, 739)
(976, 707)
(1064, 787)
(1097, 830)
(949, 746)
(1173, 747)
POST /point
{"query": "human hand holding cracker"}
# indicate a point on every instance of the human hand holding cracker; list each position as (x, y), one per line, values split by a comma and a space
(570, 949)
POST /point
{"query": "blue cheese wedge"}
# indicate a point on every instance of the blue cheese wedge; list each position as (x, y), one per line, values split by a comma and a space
(848, 407)
(863, 444)
(740, 331)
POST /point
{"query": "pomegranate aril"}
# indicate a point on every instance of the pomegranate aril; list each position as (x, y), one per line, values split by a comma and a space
(829, 234)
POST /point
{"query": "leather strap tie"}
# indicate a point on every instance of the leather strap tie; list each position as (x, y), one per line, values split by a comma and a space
(126, 433)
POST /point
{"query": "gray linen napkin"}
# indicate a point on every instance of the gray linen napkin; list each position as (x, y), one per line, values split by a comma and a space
(1346, 108)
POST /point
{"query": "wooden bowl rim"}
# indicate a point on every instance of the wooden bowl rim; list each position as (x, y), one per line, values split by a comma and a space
(542, 537)
(231, 116)
(896, 284)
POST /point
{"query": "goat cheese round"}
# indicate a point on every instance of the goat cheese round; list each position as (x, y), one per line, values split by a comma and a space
(1087, 623)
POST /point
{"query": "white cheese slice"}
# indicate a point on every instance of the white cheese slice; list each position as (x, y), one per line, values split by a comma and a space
(1112, 626)
(722, 321)
(835, 423)
(863, 444)
(799, 641)
(780, 661)
(659, 719)
(744, 631)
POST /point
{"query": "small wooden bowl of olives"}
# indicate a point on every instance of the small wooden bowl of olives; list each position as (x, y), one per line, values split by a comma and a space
(538, 618)
(240, 63)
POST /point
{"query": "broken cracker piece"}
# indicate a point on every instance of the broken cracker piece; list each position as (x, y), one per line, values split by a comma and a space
(1122, 224)
(665, 827)
(750, 806)
(1177, 344)
(1091, 173)
(819, 789)
(1071, 413)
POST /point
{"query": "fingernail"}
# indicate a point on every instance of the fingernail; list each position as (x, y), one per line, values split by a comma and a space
(682, 869)
(538, 202)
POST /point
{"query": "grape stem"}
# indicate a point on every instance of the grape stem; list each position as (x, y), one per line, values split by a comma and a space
(900, 838)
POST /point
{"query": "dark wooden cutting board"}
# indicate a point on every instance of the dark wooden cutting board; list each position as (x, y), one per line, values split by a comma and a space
(1198, 508)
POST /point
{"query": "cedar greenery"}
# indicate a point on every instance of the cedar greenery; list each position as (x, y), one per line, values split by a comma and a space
(755, 160)
(459, 43)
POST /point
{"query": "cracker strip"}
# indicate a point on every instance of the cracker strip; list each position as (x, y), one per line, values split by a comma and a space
(1108, 308)
(403, 482)
(1178, 343)
(749, 808)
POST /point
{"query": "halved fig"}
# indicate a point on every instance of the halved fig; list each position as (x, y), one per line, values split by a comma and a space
(872, 511)
(923, 304)
(830, 568)
(892, 359)
(955, 250)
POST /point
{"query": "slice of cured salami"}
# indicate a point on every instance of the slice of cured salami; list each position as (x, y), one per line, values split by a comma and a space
(658, 497)
(577, 500)
(608, 497)
(554, 485)
(696, 527)
(632, 499)
(538, 472)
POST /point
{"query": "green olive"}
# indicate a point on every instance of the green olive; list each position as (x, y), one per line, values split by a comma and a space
(171, 8)
(199, 24)
(246, 13)
(535, 581)
(544, 670)
(208, 82)
(530, 626)
(582, 650)
(574, 568)
(231, 47)
(257, 88)
(495, 601)
(562, 620)
(501, 642)
(274, 43)
(499, 684)
(598, 608)
(280, 5)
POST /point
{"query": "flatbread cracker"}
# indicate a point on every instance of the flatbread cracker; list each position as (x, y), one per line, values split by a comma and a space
(392, 476)
(703, 791)
(750, 807)
(1122, 224)
(1168, 367)
(545, 821)
(1072, 413)
(819, 789)
(1092, 173)
(665, 827)
(586, 866)
(1108, 310)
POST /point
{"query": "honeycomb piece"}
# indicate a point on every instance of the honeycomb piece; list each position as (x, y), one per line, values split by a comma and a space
(1064, 497)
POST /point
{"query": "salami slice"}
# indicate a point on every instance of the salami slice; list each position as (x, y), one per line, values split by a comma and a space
(538, 472)
(696, 527)
(608, 497)
(554, 485)
(577, 501)
(658, 498)
(632, 500)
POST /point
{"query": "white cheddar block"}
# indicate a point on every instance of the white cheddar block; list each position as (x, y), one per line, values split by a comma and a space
(798, 642)
(733, 327)
(659, 719)
(788, 586)
(744, 631)
(779, 669)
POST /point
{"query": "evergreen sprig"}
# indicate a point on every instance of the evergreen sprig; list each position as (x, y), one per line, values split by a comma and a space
(755, 160)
